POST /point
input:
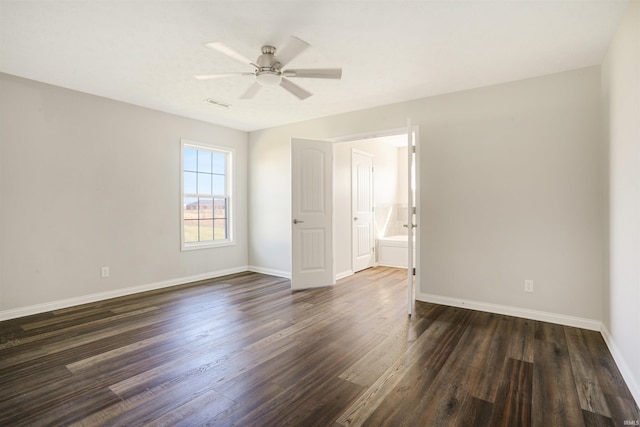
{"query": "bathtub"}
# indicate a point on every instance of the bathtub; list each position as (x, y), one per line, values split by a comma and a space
(393, 251)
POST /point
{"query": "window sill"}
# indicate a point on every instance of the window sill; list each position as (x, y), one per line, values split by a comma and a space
(207, 245)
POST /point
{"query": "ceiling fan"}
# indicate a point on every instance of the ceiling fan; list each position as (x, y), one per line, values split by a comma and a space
(268, 68)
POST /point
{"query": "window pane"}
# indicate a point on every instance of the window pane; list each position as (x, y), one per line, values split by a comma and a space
(205, 210)
(206, 230)
(220, 227)
(218, 185)
(204, 161)
(190, 208)
(190, 183)
(220, 208)
(190, 159)
(219, 163)
(204, 183)
(191, 231)
(205, 201)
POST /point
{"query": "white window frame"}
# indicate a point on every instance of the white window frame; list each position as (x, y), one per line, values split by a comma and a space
(230, 195)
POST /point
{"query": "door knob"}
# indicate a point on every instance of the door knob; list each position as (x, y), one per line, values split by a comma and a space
(297, 221)
(355, 218)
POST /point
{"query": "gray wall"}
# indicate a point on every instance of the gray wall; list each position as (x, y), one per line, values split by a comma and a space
(87, 182)
(511, 189)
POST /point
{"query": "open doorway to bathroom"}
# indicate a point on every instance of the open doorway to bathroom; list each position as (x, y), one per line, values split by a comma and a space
(389, 202)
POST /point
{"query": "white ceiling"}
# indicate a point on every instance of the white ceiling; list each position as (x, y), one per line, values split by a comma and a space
(146, 52)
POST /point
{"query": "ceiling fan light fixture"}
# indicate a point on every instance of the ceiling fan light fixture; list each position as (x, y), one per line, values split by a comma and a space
(269, 78)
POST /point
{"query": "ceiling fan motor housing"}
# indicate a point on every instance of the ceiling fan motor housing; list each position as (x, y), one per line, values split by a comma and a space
(269, 73)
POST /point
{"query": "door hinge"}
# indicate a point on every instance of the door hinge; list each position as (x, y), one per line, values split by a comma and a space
(413, 148)
(414, 210)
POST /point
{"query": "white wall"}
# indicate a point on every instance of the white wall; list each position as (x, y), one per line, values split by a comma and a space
(385, 178)
(511, 190)
(621, 110)
(87, 182)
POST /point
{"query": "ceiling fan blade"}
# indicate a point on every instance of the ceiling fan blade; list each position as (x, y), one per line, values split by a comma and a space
(231, 53)
(219, 76)
(290, 50)
(295, 89)
(315, 73)
(251, 92)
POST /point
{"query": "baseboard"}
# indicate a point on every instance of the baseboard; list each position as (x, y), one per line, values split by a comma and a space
(270, 271)
(543, 316)
(622, 364)
(85, 299)
(344, 274)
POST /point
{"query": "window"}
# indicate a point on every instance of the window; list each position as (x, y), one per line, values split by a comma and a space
(206, 195)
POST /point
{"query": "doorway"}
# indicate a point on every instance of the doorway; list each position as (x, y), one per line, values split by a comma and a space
(315, 247)
(389, 203)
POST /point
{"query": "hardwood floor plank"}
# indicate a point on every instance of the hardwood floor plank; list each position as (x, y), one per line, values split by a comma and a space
(319, 408)
(521, 344)
(382, 356)
(56, 405)
(301, 373)
(555, 399)
(421, 353)
(587, 385)
(596, 420)
(436, 390)
(513, 402)
(442, 409)
(199, 411)
(119, 353)
(219, 367)
(476, 412)
(68, 318)
(616, 393)
(487, 334)
(58, 336)
(25, 387)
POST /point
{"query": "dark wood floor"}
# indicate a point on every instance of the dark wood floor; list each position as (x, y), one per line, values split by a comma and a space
(245, 350)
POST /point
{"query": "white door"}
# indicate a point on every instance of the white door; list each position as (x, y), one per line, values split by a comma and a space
(362, 210)
(311, 214)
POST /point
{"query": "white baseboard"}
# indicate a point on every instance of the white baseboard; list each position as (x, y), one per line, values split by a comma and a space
(622, 364)
(344, 274)
(85, 299)
(561, 319)
(270, 271)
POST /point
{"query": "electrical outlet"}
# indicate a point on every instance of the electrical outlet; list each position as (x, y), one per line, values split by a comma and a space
(528, 285)
(105, 272)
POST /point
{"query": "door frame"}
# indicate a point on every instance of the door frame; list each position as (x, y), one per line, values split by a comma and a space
(417, 202)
